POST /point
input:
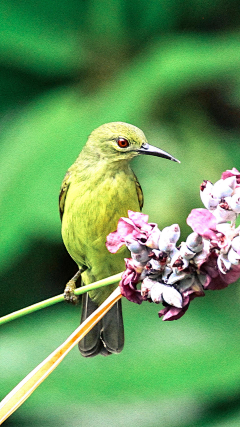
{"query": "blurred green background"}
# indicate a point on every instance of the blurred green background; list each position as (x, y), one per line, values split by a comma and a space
(173, 69)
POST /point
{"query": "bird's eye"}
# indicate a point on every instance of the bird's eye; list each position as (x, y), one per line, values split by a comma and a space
(123, 142)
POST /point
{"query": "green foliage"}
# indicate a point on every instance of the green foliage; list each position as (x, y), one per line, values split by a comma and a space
(172, 69)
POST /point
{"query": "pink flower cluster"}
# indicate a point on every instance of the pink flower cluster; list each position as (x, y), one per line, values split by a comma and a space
(174, 274)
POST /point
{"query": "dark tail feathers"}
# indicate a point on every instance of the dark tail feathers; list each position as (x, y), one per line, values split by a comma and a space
(107, 336)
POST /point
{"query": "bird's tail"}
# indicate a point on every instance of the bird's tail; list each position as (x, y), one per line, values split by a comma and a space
(107, 336)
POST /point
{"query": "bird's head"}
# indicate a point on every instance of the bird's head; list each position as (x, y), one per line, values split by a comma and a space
(122, 141)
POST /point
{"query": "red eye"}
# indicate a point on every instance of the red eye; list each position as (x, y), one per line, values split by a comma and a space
(123, 143)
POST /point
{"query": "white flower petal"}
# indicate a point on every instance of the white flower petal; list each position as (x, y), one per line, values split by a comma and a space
(224, 228)
(156, 292)
(201, 257)
(234, 203)
(166, 272)
(195, 242)
(206, 196)
(221, 189)
(223, 263)
(156, 265)
(185, 252)
(165, 245)
(236, 243)
(153, 241)
(146, 287)
(171, 233)
(231, 181)
(233, 257)
(176, 276)
(223, 215)
(172, 296)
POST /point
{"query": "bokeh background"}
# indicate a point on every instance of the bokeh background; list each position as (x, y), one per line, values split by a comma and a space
(173, 69)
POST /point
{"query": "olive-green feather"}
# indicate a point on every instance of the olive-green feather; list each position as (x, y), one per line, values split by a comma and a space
(98, 189)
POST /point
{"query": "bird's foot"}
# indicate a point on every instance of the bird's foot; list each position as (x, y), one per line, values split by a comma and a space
(69, 295)
(70, 287)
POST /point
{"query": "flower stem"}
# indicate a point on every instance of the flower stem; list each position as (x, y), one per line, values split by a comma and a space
(58, 298)
(26, 387)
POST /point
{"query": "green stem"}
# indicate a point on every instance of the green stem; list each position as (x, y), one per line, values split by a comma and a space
(58, 298)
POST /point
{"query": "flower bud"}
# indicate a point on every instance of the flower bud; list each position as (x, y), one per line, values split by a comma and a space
(165, 245)
(172, 297)
(146, 287)
(224, 187)
(185, 252)
(153, 240)
(142, 256)
(171, 233)
(195, 242)
(206, 195)
(156, 292)
(134, 246)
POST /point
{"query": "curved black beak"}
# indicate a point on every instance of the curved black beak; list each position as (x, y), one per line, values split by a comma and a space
(154, 151)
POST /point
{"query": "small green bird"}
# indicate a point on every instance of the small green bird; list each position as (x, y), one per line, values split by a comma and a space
(98, 189)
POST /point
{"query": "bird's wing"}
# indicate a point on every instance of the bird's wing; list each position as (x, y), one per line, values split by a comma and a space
(63, 193)
(139, 191)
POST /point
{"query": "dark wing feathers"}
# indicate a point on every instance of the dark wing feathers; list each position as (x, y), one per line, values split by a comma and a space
(139, 191)
(63, 193)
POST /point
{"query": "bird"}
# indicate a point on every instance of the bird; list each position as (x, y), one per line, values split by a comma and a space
(98, 189)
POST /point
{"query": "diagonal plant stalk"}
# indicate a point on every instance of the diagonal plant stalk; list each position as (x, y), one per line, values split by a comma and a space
(26, 387)
(59, 298)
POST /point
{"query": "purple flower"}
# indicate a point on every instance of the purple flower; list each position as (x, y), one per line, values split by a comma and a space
(215, 279)
(174, 276)
(129, 281)
(135, 227)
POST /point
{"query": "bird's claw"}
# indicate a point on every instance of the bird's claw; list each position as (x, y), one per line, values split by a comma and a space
(69, 295)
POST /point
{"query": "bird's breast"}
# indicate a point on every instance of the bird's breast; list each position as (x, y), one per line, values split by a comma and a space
(92, 209)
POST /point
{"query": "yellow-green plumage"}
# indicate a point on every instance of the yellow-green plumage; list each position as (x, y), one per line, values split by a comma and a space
(97, 190)
(101, 187)
(90, 218)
